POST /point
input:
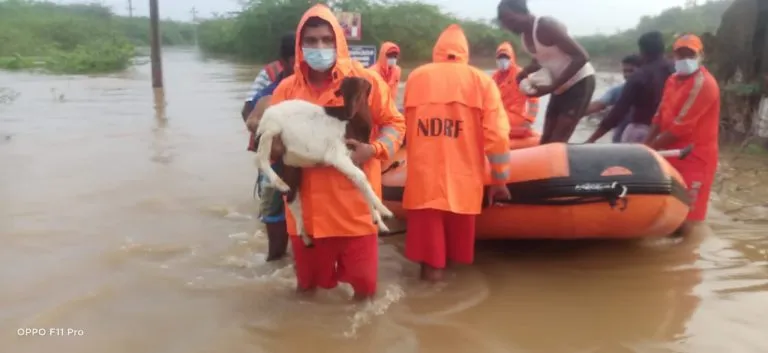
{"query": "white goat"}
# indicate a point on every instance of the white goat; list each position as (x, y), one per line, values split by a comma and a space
(311, 136)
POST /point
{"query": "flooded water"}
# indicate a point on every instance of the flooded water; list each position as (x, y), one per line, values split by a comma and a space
(127, 229)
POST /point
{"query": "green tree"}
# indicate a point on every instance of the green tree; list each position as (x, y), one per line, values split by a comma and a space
(253, 34)
(76, 38)
(695, 19)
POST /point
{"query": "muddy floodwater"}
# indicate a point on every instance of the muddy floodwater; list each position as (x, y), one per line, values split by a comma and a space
(131, 229)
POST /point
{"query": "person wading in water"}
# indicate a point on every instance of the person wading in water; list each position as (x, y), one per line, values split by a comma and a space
(335, 212)
(271, 72)
(271, 208)
(629, 65)
(641, 94)
(689, 114)
(573, 77)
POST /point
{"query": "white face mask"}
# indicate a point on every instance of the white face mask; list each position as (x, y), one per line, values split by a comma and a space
(502, 64)
(319, 59)
(391, 61)
(686, 67)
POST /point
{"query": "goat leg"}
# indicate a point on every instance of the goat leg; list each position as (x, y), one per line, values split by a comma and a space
(263, 153)
(298, 216)
(344, 164)
(292, 177)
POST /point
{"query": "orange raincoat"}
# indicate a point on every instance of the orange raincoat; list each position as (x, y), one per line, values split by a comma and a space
(390, 74)
(521, 109)
(455, 119)
(332, 205)
(690, 110)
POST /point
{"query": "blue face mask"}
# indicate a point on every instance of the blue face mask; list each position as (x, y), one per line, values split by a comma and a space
(502, 64)
(686, 67)
(319, 59)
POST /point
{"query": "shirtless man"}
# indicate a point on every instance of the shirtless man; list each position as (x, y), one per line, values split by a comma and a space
(573, 79)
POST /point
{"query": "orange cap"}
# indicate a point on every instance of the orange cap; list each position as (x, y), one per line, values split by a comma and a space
(689, 41)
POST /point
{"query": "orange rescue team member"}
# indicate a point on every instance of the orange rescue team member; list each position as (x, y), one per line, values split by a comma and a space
(335, 213)
(689, 113)
(455, 120)
(387, 66)
(521, 109)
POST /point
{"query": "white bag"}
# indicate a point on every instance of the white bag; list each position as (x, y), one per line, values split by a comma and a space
(537, 79)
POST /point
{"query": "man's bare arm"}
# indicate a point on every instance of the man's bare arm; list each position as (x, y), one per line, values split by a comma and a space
(595, 107)
(532, 67)
(258, 110)
(552, 33)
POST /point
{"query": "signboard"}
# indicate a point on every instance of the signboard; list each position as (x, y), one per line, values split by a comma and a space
(365, 54)
(351, 23)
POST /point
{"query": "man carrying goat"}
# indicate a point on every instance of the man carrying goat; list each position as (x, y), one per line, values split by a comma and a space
(335, 213)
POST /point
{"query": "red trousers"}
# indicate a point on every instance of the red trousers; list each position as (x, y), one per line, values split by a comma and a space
(434, 237)
(352, 260)
(699, 176)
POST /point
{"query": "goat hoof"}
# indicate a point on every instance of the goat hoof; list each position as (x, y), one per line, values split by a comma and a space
(382, 227)
(307, 241)
(386, 213)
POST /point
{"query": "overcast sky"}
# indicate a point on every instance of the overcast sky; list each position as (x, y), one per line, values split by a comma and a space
(581, 16)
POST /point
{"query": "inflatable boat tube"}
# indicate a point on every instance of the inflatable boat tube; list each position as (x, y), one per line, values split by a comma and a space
(564, 191)
(530, 141)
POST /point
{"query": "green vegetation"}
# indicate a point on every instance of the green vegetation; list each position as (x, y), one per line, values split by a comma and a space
(253, 33)
(172, 33)
(696, 19)
(88, 38)
(74, 39)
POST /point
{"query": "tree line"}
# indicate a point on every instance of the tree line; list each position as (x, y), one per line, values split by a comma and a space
(87, 38)
(76, 38)
(253, 33)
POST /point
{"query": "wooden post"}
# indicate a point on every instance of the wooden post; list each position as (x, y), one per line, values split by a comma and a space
(160, 117)
(157, 65)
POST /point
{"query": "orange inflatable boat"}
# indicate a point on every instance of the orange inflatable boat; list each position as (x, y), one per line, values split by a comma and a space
(564, 191)
(525, 142)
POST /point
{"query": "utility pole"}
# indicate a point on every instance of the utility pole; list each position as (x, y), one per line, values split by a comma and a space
(157, 65)
(130, 8)
(194, 22)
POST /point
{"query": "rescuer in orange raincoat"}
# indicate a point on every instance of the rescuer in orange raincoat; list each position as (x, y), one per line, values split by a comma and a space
(689, 113)
(521, 109)
(335, 213)
(387, 66)
(455, 120)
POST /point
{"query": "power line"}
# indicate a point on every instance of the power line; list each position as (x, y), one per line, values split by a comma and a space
(130, 8)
